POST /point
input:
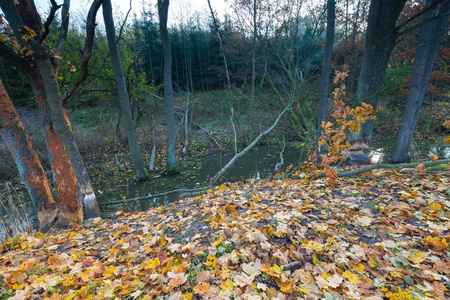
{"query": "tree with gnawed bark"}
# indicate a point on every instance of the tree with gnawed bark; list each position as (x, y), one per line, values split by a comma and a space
(430, 38)
(30, 34)
(27, 161)
(163, 10)
(124, 100)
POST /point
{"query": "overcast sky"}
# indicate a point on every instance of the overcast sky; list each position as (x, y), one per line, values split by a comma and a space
(120, 7)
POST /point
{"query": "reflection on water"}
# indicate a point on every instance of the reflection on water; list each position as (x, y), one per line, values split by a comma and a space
(420, 149)
(195, 173)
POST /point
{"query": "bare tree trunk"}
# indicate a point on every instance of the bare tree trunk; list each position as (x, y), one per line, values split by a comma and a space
(252, 98)
(381, 35)
(27, 161)
(326, 65)
(163, 10)
(431, 35)
(220, 44)
(124, 100)
(151, 166)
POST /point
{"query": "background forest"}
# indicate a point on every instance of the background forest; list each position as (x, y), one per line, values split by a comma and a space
(231, 76)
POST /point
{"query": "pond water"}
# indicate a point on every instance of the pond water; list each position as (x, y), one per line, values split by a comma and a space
(196, 173)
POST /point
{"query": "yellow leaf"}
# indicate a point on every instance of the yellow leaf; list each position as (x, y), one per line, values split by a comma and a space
(277, 269)
(73, 68)
(152, 264)
(109, 272)
(435, 207)
(311, 245)
(227, 285)
(188, 296)
(211, 261)
(217, 243)
(301, 288)
(359, 268)
(416, 256)
(440, 244)
(352, 277)
(284, 286)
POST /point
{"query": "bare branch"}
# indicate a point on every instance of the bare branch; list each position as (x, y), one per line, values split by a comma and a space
(90, 33)
(49, 20)
(249, 147)
(64, 27)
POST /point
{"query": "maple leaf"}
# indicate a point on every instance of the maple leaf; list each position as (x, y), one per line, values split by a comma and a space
(251, 269)
(314, 246)
(415, 256)
(243, 279)
(109, 272)
(352, 277)
(211, 261)
(227, 285)
(439, 244)
(18, 277)
(177, 279)
(421, 168)
(201, 289)
(285, 286)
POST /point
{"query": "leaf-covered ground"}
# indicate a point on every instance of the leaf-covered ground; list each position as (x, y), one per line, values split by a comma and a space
(383, 235)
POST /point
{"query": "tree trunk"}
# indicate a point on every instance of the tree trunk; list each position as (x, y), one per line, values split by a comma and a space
(252, 97)
(380, 41)
(62, 129)
(68, 192)
(27, 161)
(431, 35)
(45, 67)
(163, 10)
(124, 100)
(326, 65)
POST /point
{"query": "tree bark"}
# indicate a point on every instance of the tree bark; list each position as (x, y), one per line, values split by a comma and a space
(51, 90)
(326, 65)
(62, 129)
(124, 100)
(27, 161)
(163, 10)
(381, 35)
(431, 35)
(68, 192)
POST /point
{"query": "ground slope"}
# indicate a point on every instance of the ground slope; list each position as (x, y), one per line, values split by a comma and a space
(383, 235)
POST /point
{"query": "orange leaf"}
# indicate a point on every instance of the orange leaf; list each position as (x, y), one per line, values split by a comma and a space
(201, 289)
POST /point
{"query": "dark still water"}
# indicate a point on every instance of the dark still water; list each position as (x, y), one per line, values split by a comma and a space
(194, 174)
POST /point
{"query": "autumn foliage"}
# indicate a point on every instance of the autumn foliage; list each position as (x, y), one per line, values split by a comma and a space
(334, 138)
(378, 237)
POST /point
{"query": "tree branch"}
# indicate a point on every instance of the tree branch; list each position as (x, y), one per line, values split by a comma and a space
(50, 19)
(384, 166)
(90, 33)
(64, 27)
(249, 147)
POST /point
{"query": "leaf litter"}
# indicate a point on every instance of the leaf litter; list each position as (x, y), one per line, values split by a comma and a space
(381, 235)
